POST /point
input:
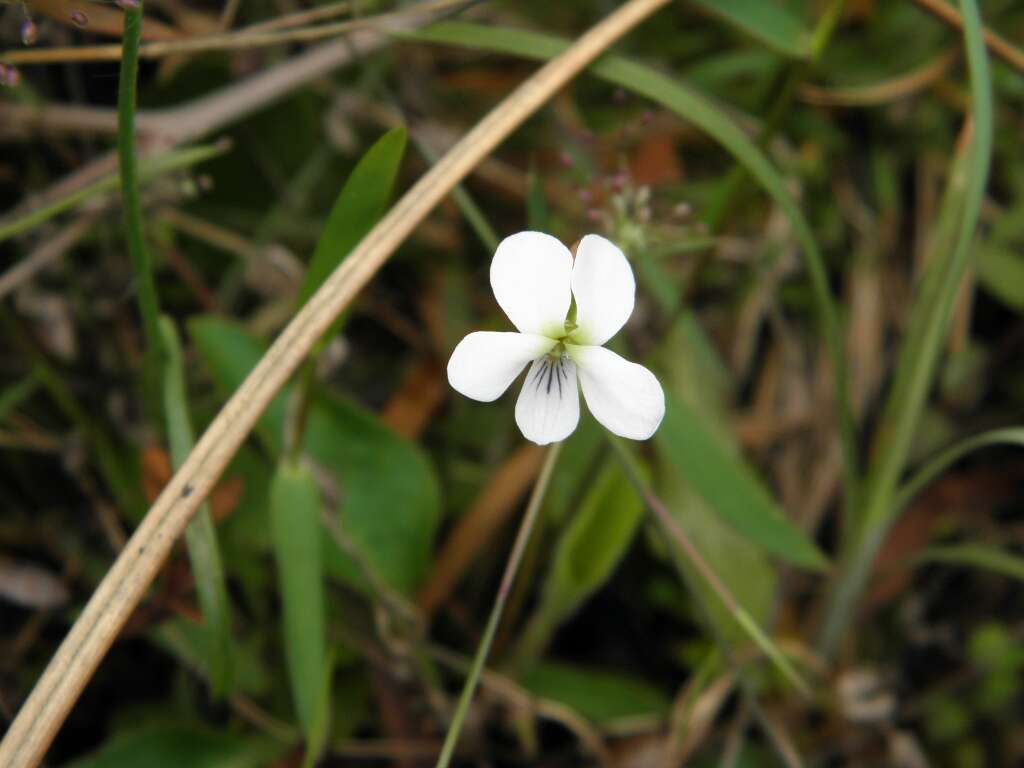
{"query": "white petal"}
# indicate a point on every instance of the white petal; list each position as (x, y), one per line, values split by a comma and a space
(625, 397)
(530, 277)
(548, 408)
(485, 363)
(604, 287)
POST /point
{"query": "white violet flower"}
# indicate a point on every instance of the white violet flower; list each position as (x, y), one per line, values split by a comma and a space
(535, 280)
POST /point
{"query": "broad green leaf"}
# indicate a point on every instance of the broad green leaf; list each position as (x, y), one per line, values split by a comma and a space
(295, 530)
(361, 202)
(601, 696)
(390, 498)
(730, 486)
(985, 556)
(175, 746)
(692, 372)
(769, 21)
(696, 445)
(201, 535)
(1001, 272)
(587, 553)
(389, 493)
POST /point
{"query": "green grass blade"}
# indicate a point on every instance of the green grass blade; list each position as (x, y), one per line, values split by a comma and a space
(131, 202)
(361, 202)
(921, 348)
(148, 169)
(953, 454)
(15, 394)
(295, 531)
(700, 111)
(537, 215)
(201, 535)
(471, 212)
(983, 556)
(771, 23)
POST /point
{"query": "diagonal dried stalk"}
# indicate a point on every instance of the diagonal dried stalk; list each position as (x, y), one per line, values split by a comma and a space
(240, 40)
(37, 722)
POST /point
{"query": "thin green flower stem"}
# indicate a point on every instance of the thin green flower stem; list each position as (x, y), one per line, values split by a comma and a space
(678, 536)
(507, 580)
(131, 200)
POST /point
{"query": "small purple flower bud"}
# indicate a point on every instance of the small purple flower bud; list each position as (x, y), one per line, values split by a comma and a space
(595, 214)
(565, 159)
(129, 5)
(29, 32)
(79, 19)
(9, 76)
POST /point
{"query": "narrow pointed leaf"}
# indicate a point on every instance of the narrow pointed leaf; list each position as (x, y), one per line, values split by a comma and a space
(361, 202)
(201, 535)
(770, 22)
(295, 530)
(730, 487)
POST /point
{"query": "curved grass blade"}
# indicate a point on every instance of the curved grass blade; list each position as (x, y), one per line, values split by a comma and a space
(149, 168)
(983, 556)
(16, 393)
(953, 454)
(201, 535)
(919, 354)
(697, 109)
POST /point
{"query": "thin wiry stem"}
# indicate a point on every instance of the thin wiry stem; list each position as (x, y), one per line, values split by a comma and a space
(131, 202)
(678, 536)
(507, 579)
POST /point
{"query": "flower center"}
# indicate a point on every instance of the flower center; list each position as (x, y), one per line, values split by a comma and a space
(552, 376)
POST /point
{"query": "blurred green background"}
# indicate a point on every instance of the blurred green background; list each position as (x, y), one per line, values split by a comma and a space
(821, 201)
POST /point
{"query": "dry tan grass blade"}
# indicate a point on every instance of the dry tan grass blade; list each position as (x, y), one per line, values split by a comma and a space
(121, 589)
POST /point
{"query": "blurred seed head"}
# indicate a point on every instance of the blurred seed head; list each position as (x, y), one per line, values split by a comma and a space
(9, 76)
(29, 32)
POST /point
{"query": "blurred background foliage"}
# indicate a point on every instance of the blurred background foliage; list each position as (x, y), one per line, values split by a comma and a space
(336, 583)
